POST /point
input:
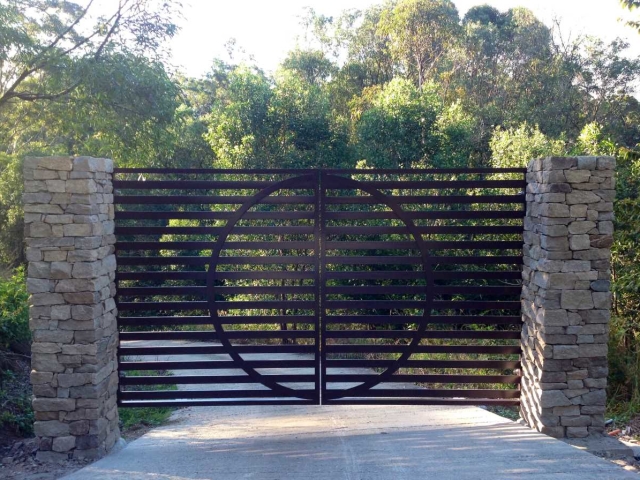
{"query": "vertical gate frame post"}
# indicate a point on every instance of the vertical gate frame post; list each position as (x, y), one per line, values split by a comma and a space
(566, 297)
(69, 231)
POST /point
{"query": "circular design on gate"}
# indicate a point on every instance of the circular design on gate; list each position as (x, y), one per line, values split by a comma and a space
(334, 181)
(328, 181)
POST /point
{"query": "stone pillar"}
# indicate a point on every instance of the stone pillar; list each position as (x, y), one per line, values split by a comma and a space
(566, 298)
(68, 205)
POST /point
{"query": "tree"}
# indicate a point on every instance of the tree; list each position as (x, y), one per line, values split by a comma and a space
(420, 33)
(395, 125)
(238, 128)
(515, 147)
(42, 38)
(312, 65)
(632, 5)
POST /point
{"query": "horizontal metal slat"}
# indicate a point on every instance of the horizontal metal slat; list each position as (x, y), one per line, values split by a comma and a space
(427, 392)
(211, 335)
(443, 334)
(372, 260)
(211, 403)
(215, 365)
(210, 379)
(439, 378)
(444, 184)
(432, 230)
(188, 260)
(421, 289)
(419, 320)
(422, 401)
(417, 275)
(427, 199)
(332, 171)
(432, 215)
(454, 364)
(226, 319)
(214, 349)
(186, 215)
(193, 245)
(202, 291)
(432, 245)
(454, 349)
(239, 275)
(280, 230)
(210, 199)
(482, 260)
(192, 184)
(182, 306)
(435, 305)
(212, 394)
(255, 184)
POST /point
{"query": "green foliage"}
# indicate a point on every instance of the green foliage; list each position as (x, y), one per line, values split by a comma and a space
(11, 215)
(131, 418)
(592, 142)
(14, 313)
(514, 147)
(397, 130)
(632, 5)
(143, 416)
(420, 34)
(16, 415)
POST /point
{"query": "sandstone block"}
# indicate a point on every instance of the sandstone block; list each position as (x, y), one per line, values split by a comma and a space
(52, 428)
(553, 398)
(581, 227)
(582, 197)
(579, 242)
(64, 444)
(577, 176)
(576, 300)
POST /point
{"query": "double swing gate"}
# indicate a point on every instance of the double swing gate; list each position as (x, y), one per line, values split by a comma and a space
(319, 286)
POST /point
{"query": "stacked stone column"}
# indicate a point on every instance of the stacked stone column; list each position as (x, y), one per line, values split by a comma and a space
(68, 205)
(566, 297)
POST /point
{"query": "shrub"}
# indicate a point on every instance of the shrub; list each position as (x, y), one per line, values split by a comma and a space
(14, 314)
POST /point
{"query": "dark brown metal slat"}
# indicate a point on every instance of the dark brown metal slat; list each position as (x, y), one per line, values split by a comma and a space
(210, 379)
(183, 215)
(280, 230)
(454, 349)
(193, 245)
(214, 365)
(211, 335)
(428, 199)
(454, 364)
(448, 208)
(208, 199)
(419, 320)
(439, 378)
(253, 184)
(443, 334)
(225, 320)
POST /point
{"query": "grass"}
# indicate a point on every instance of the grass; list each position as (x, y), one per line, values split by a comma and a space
(512, 413)
(134, 418)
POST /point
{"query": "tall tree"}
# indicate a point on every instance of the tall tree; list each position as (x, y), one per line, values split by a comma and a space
(41, 38)
(420, 33)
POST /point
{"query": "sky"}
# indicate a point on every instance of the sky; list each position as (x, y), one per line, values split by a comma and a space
(268, 29)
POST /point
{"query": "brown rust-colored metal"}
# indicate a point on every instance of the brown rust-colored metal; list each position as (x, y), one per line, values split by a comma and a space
(321, 270)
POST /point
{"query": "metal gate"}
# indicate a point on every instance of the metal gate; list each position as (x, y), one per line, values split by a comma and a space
(321, 286)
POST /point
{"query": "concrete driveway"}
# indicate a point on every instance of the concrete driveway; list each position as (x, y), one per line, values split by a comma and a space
(344, 442)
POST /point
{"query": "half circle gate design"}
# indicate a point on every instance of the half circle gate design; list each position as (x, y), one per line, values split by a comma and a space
(320, 286)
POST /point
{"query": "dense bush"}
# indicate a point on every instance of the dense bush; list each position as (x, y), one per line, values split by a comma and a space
(14, 314)
(16, 416)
